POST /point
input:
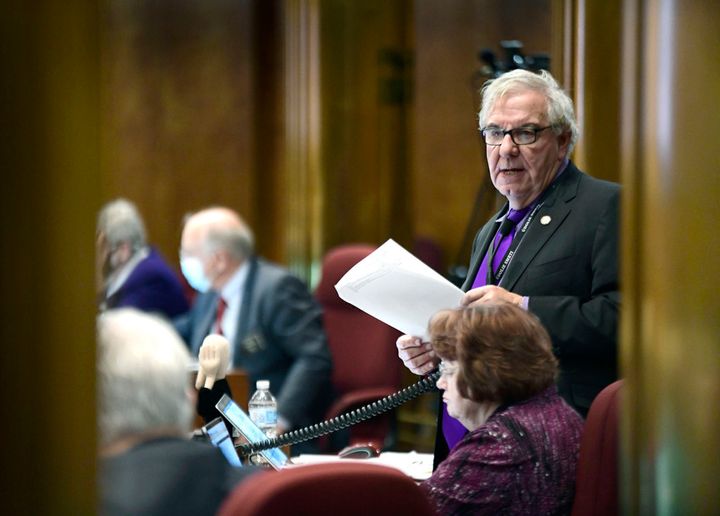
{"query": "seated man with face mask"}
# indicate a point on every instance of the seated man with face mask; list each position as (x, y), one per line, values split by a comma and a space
(273, 323)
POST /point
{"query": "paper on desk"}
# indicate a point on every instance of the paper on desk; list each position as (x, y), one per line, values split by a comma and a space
(397, 288)
(415, 465)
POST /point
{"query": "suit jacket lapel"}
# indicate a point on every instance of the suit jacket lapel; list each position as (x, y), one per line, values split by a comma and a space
(247, 304)
(205, 320)
(556, 207)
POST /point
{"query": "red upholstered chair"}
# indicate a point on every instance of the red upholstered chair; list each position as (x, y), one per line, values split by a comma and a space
(336, 488)
(596, 488)
(429, 252)
(365, 362)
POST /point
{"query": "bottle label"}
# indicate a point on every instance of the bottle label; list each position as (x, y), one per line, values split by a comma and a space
(264, 416)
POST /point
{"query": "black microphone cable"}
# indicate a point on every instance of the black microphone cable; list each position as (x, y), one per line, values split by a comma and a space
(344, 420)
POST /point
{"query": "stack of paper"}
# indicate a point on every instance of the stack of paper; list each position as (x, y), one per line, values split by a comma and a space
(397, 288)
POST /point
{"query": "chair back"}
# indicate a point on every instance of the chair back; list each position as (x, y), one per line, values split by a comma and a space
(365, 362)
(596, 485)
(347, 488)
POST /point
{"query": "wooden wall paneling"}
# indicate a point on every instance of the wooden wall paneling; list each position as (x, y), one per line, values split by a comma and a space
(563, 41)
(596, 88)
(303, 138)
(50, 159)
(365, 70)
(269, 198)
(178, 110)
(448, 156)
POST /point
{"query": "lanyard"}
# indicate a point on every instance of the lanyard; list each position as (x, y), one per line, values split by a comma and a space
(494, 278)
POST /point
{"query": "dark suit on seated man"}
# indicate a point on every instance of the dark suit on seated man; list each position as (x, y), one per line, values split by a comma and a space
(271, 319)
(149, 466)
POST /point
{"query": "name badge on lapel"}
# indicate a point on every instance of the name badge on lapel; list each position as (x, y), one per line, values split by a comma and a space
(252, 344)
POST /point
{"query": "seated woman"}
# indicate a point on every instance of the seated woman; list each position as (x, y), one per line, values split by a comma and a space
(498, 380)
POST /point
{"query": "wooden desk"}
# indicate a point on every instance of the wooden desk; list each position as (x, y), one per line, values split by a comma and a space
(239, 387)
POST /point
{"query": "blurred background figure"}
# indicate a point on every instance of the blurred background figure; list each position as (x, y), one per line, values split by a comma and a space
(272, 321)
(129, 272)
(498, 379)
(145, 408)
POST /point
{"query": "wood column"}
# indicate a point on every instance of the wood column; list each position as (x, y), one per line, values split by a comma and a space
(303, 139)
(671, 308)
(49, 157)
(596, 86)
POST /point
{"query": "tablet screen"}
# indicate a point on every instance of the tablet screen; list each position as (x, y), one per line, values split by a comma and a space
(249, 430)
(219, 437)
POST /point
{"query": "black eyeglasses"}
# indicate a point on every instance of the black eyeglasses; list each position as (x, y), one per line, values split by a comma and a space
(446, 370)
(520, 135)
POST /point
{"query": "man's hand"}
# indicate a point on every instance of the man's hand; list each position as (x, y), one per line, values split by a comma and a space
(490, 294)
(213, 360)
(418, 356)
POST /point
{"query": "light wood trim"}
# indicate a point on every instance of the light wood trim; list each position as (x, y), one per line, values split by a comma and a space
(670, 313)
(303, 141)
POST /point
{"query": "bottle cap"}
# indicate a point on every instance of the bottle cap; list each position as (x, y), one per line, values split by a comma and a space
(262, 384)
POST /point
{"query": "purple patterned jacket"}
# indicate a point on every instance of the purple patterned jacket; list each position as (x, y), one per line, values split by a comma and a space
(521, 461)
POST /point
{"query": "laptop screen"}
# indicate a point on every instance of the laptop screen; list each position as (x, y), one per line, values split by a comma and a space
(249, 430)
(219, 437)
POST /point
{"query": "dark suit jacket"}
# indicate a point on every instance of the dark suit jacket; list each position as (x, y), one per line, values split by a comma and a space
(167, 476)
(569, 269)
(280, 337)
(152, 286)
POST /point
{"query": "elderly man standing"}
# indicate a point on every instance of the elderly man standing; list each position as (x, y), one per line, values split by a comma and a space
(132, 274)
(552, 249)
(269, 316)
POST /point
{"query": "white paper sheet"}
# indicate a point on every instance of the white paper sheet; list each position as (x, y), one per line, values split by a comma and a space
(397, 288)
(416, 465)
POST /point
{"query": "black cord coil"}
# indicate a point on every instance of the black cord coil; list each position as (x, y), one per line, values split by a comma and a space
(344, 420)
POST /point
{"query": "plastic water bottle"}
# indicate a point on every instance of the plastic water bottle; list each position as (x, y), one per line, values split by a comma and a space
(263, 408)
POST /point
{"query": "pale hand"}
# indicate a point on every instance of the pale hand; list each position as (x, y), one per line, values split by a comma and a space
(490, 294)
(418, 356)
(213, 361)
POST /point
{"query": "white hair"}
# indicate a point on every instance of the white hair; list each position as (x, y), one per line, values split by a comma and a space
(224, 229)
(143, 376)
(120, 221)
(560, 112)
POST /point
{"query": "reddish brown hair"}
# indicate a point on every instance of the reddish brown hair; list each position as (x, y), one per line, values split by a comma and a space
(504, 353)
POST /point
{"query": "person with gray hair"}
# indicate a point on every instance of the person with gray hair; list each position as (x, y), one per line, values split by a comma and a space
(551, 250)
(131, 273)
(145, 409)
(272, 321)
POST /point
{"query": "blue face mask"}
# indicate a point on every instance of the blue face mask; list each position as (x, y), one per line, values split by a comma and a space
(192, 269)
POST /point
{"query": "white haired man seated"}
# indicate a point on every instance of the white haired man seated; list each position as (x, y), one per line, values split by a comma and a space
(146, 406)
